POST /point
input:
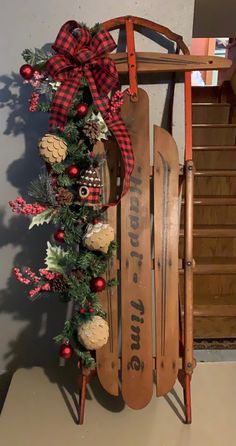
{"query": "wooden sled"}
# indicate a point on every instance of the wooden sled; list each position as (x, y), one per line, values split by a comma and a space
(156, 341)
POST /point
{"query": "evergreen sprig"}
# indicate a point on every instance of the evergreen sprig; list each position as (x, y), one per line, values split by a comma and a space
(36, 56)
(44, 107)
(42, 191)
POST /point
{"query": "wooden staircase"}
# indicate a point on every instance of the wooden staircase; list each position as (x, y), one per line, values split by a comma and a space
(214, 155)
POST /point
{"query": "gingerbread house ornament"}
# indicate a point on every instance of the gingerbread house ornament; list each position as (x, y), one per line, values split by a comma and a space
(90, 185)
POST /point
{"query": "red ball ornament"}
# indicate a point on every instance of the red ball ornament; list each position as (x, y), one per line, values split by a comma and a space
(66, 351)
(73, 171)
(82, 110)
(98, 284)
(26, 71)
(59, 235)
(82, 310)
(91, 310)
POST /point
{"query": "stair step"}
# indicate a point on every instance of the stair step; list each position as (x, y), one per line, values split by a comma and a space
(214, 328)
(213, 298)
(214, 265)
(205, 94)
(216, 173)
(216, 148)
(212, 134)
(211, 104)
(214, 201)
(211, 231)
(214, 310)
(215, 126)
(210, 113)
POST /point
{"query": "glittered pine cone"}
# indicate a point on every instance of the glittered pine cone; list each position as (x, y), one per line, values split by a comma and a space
(92, 130)
(94, 334)
(64, 196)
(52, 148)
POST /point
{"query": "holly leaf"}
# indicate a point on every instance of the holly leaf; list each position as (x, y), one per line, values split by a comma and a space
(53, 258)
(43, 217)
(64, 181)
(58, 167)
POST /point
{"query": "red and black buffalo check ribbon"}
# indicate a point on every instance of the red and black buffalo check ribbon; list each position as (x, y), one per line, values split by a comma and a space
(79, 54)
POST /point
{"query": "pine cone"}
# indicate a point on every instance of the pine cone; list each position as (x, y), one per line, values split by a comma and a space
(64, 196)
(92, 130)
(52, 148)
(79, 275)
(59, 285)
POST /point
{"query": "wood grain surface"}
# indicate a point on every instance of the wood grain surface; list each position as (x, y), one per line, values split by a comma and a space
(166, 230)
(136, 294)
(159, 62)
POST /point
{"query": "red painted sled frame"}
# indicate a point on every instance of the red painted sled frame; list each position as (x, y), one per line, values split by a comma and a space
(132, 63)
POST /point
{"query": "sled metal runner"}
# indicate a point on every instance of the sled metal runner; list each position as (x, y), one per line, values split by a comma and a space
(155, 190)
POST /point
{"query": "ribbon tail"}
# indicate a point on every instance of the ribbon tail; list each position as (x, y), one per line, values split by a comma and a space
(117, 127)
(62, 102)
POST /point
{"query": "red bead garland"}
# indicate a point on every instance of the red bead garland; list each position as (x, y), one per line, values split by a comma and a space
(98, 284)
(26, 71)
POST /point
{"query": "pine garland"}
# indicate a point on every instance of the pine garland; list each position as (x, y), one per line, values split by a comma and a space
(70, 266)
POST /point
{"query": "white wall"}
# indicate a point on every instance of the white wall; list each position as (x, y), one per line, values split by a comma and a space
(27, 328)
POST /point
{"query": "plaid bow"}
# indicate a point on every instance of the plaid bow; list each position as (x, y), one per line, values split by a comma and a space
(79, 54)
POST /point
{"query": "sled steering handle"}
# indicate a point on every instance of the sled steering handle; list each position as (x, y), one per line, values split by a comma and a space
(130, 22)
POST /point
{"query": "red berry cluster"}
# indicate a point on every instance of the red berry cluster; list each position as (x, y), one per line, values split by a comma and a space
(38, 289)
(117, 101)
(19, 206)
(31, 278)
(88, 310)
(19, 276)
(48, 274)
(33, 103)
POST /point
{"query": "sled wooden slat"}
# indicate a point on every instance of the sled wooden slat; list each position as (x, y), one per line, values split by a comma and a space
(154, 62)
(136, 294)
(108, 357)
(166, 231)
